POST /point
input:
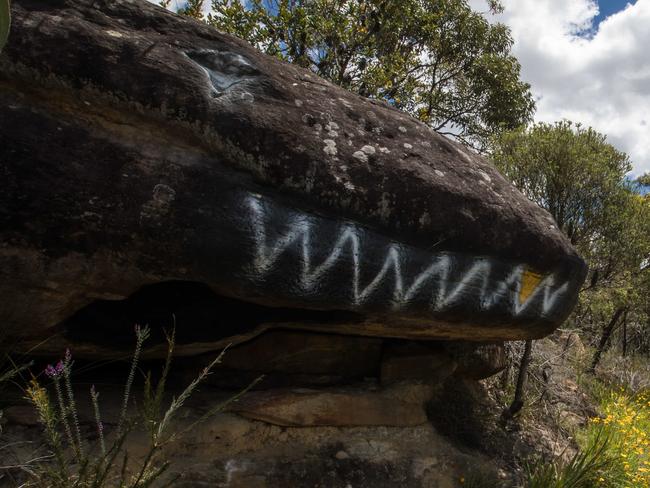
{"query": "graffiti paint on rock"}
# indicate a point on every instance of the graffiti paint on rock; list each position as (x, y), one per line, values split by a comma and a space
(408, 277)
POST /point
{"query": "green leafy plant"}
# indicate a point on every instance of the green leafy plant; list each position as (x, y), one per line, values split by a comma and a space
(625, 421)
(615, 448)
(76, 462)
(585, 469)
(581, 179)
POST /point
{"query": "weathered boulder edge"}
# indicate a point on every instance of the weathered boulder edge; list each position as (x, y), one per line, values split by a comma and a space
(157, 140)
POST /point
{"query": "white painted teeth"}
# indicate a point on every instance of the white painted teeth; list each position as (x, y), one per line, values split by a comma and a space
(521, 288)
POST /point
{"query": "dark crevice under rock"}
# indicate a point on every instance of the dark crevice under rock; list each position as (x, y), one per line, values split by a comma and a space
(197, 313)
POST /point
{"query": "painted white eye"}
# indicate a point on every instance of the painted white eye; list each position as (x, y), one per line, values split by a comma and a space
(224, 68)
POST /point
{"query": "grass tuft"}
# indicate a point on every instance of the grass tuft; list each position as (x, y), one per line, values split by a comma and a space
(105, 462)
(614, 449)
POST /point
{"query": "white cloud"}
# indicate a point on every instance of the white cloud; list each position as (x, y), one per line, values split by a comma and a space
(599, 76)
(175, 5)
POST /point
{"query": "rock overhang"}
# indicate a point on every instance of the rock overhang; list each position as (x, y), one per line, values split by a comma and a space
(272, 185)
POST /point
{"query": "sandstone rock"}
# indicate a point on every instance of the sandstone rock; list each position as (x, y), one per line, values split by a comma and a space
(308, 353)
(293, 358)
(227, 450)
(20, 415)
(478, 361)
(573, 346)
(335, 407)
(143, 153)
(416, 362)
(340, 455)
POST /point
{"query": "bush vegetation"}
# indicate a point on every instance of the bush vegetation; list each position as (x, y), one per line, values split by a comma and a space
(73, 460)
(614, 448)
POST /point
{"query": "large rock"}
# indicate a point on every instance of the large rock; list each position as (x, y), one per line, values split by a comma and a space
(428, 363)
(291, 358)
(229, 451)
(478, 361)
(336, 408)
(143, 154)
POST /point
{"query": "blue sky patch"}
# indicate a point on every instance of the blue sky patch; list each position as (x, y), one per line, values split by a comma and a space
(609, 7)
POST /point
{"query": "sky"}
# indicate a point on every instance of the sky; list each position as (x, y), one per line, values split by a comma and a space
(609, 7)
(588, 62)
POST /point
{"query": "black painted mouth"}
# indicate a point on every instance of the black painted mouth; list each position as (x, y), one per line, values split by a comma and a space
(299, 259)
(195, 312)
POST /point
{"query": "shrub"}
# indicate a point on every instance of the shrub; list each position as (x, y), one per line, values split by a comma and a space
(585, 469)
(615, 449)
(76, 462)
(626, 422)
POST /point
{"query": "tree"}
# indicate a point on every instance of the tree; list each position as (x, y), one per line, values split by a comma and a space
(624, 292)
(580, 179)
(644, 179)
(193, 8)
(435, 59)
(571, 171)
(518, 400)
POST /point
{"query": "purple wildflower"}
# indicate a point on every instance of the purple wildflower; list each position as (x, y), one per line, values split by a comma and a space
(54, 371)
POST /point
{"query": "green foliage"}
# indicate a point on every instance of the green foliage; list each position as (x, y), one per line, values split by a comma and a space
(579, 178)
(626, 423)
(614, 446)
(193, 8)
(584, 469)
(569, 170)
(107, 464)
(5, 22)
(437, 60)
(644, 179)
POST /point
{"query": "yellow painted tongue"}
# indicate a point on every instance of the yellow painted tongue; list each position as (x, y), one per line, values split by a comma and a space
(529, 281)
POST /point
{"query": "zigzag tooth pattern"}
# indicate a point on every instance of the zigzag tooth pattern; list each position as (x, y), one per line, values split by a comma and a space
(489, 294)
